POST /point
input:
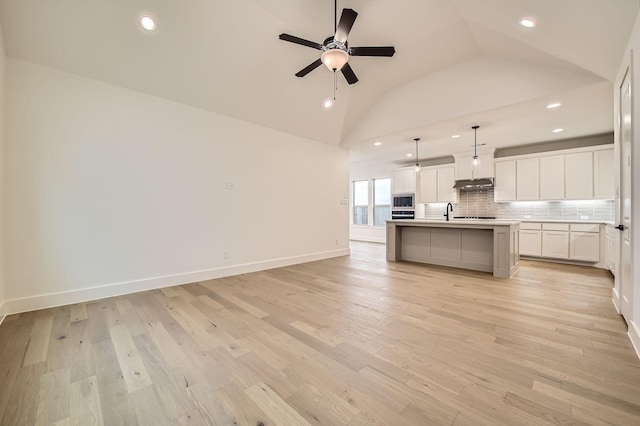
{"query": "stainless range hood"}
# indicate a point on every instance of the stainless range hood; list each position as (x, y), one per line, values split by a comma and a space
(474, 183)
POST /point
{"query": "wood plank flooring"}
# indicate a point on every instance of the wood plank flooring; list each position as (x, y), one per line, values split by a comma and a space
(346, 341)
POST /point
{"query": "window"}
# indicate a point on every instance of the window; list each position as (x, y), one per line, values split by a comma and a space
(381, 201)
(361, 202)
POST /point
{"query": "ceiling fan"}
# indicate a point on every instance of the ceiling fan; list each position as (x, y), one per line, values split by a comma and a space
(336, 50)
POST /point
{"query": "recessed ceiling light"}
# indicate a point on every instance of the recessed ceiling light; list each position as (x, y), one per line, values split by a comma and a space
(527, 23)
(554, 105)
(148, 23)
(558, 130)
(327, 103)
(409, 155)
(455, 136)
(378, 143)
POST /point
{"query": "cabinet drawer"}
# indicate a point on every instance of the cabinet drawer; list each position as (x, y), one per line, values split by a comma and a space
(555, 226)
(585, 227)
(531, 226)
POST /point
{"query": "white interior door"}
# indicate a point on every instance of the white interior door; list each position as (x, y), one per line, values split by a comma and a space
(626, 287)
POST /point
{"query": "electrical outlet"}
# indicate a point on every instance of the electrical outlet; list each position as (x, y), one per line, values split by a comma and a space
(225, 254)
(228, 184)
(337, 242)
(584, 217)
(343, 202)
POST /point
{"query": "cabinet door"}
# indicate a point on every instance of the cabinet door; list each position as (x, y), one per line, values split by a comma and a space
(403, 181)
(429, 186)
(446, 180)
(505, 182)
(464, 169)
(608, 253)
(585, 246)
(555, 244)
(530, 243)
(552, 178)
(528, 179)
(578, 176)
(603, 175)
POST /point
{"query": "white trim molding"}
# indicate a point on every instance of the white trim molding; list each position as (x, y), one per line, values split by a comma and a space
(3, 312)
(50, 300)
(616, 300)
(634, 335)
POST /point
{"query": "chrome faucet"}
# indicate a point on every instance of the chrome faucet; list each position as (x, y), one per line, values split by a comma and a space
(446, 212)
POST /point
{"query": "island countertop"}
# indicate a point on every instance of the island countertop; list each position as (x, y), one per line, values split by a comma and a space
(456, 223)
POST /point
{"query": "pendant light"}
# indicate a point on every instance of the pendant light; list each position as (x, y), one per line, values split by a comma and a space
(418, 169)
(476, 162)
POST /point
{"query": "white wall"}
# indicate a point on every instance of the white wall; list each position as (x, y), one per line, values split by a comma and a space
(632, 58)
(111, 191)
(2, 84)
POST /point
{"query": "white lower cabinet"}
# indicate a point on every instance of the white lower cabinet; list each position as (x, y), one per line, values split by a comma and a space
(575, 241)
(530, 239)
(611, 249)
(555, 244)
(584, 242)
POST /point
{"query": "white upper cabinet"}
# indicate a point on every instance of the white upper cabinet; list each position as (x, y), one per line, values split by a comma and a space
(464, 167)
(436, 185)
(446, 180)
(505, 180)
(428, 186)
(604, 186)
(403, 181)
(528, 179)
(578, 176)
(552, 177)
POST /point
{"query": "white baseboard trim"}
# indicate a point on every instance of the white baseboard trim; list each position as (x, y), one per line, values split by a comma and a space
(369, 239)
(51, 300)
(3, 312)
(615, 298)
(634, 335)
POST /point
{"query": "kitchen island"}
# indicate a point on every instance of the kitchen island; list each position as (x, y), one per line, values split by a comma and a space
(479, 245)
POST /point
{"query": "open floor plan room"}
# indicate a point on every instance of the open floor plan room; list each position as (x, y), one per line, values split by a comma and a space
(350, 340)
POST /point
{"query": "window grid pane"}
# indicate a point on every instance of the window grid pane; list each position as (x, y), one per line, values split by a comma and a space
(382, 201)
(361, 202)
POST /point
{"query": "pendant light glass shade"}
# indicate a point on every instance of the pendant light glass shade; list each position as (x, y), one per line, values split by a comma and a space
(475, 163)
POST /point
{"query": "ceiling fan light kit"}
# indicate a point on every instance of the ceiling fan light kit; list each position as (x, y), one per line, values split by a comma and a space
(334, 59)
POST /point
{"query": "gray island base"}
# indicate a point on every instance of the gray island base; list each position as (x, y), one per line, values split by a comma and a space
(479, 245)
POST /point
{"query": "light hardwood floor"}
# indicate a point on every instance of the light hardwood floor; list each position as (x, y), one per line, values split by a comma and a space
(352, 340)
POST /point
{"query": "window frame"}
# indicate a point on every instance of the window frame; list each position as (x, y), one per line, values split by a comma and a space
(354, 205)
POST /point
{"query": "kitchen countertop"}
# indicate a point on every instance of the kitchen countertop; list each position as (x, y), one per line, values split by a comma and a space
(604, 222)
(457, 222)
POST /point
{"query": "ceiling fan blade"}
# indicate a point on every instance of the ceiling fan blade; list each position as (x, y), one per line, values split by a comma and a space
(298, 40)
(373, 51)
(344, 26)
(306, 70)
(349, 74)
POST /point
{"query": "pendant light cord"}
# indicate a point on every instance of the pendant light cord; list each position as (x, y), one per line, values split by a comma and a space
(475, 141)
(417, 139)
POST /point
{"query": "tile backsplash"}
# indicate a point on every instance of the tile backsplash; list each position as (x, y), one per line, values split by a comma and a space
(480, 203)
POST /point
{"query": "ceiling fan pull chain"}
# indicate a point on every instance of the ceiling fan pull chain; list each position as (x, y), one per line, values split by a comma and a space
(335, 84)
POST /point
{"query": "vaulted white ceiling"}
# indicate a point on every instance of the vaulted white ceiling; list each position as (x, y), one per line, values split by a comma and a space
(457, 63)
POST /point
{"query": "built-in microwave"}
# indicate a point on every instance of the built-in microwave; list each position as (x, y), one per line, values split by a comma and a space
(403, 202)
